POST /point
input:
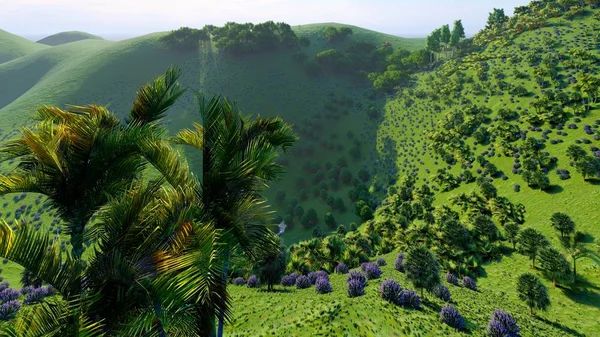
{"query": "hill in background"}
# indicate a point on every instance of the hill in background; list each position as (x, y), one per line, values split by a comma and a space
(14, 46)
(67, 37)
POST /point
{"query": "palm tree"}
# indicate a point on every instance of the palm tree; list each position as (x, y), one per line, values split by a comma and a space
(238, 160)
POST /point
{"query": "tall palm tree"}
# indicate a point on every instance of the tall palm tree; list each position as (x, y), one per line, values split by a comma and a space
(238, 160)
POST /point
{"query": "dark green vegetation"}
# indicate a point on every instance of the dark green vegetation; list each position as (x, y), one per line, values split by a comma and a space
(67, 37)
(483, 151)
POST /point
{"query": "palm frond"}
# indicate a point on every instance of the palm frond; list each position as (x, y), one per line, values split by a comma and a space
(194, 138)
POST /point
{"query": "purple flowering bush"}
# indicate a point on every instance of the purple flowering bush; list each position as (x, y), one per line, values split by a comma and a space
(390, 291)
(441, 291)
(9, 294)
(399, 264)
(469, 283)
(239, 281)
(502, 324)
(322, 285)
(4, 285)
(371, 270)
(36, 295)
(9, 310)
(253, 282)
(289, 280)
(356, 284)
(302, 282)
(409, 298)
(341, 268)
(452, 279)
(313, 276)
(380, 261)
(451, 317)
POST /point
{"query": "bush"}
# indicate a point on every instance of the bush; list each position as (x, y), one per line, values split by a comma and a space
(36, 295)
(450, 316)
(390, 291)
(399, 264)
(380, 262)
(452, 279)
(322, 285)
(371, 270)
(502, 324)
(253, 282)
(26, 290)
(469, 283)
(9, 310)
(4, 285)
(289, 280)
(9, 294)
(303, 282)
(239, 281)
(313, 276)
(409, 298)
(356, 284)
(341, 268)
(442, 292)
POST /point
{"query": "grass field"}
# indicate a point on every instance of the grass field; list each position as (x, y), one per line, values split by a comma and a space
(14, 46)
(67, 37)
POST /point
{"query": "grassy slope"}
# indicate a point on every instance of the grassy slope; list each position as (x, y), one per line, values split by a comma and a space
(14, 46)
(109, 73)
(67, 37)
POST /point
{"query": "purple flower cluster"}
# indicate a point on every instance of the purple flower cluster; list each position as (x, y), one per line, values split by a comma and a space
(469, 283)
(322, 285)
(9, 310)
(313, 276)
(341, 268)
(409, 298)
(9, 294)
(390, 291)
(502, 324)
(356, 284)
(380, 261)
(239, 281)
(441, 291)
(4, 285)
(253, 282)
(452, 279)
(450, 316)
(37, 295)
(371, 270)
(289, 280)
(26, 290)
(399, 265)
(302, 282)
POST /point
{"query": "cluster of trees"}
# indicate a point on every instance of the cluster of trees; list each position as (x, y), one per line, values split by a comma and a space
(336, 35)
(443, 39)
(185, 38)
(586, 164)
(161, 247)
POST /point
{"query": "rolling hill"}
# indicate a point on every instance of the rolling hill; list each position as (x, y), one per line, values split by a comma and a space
(67, 37)
(14, 46)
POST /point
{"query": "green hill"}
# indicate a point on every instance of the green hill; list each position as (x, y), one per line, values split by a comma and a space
(14, 46)
(67, 37)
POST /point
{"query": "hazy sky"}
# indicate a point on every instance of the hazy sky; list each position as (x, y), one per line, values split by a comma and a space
(135, 17)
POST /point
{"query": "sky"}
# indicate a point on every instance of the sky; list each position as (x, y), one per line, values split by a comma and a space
(115, 19)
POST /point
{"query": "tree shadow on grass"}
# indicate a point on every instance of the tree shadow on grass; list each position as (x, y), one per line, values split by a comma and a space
(559, 326)
(275, 290)
(554, 189)
(583, 292)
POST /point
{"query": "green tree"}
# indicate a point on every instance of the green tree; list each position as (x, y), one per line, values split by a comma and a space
(562, 223)
(341, 229)
(554, 265)
(310, 218)
(445, 35)
(576, 249)
(511, 232)
(588, 166)
(485, 227)
(531, 242)
(533, 292)
(496, 18)
(458, 32)
(575, 152)
(329, 220)
(270, 266)
(422, 268)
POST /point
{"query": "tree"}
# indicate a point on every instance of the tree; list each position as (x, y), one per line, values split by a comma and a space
(488, 190)
(562, 223)
(575, 152)
(485, 227)
(458, 32)
(422, 268)
(588, 166)
(329, 220)
(531, 242)
(270, 267)
(576, 249)
(496, 18)
(445, 34)
(511, 231)
(536, 178)
(554, 265)
(310, 218)
(533, 292)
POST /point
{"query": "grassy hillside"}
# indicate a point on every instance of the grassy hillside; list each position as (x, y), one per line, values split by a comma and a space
(67, 37)
(14, 46)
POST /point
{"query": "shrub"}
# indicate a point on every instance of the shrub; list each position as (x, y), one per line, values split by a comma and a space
(399, 264)
(468, 282)
(356, 284)
(322, 285)
(450, 316)
(26, 290)
(9, 310)
(442, 292)
(452, 279)
(341, 268)
(9, 294)
(390, 291)
(409, 298)
(302, 282)
(239, 281)
(253, 282)
(4, 285)
(36, 295)
(380, 261)
(289, 280)
(502, 324)
(313, 276)
(371, 270)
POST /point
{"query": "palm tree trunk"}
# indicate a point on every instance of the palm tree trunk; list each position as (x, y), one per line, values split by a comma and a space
(224, 276)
